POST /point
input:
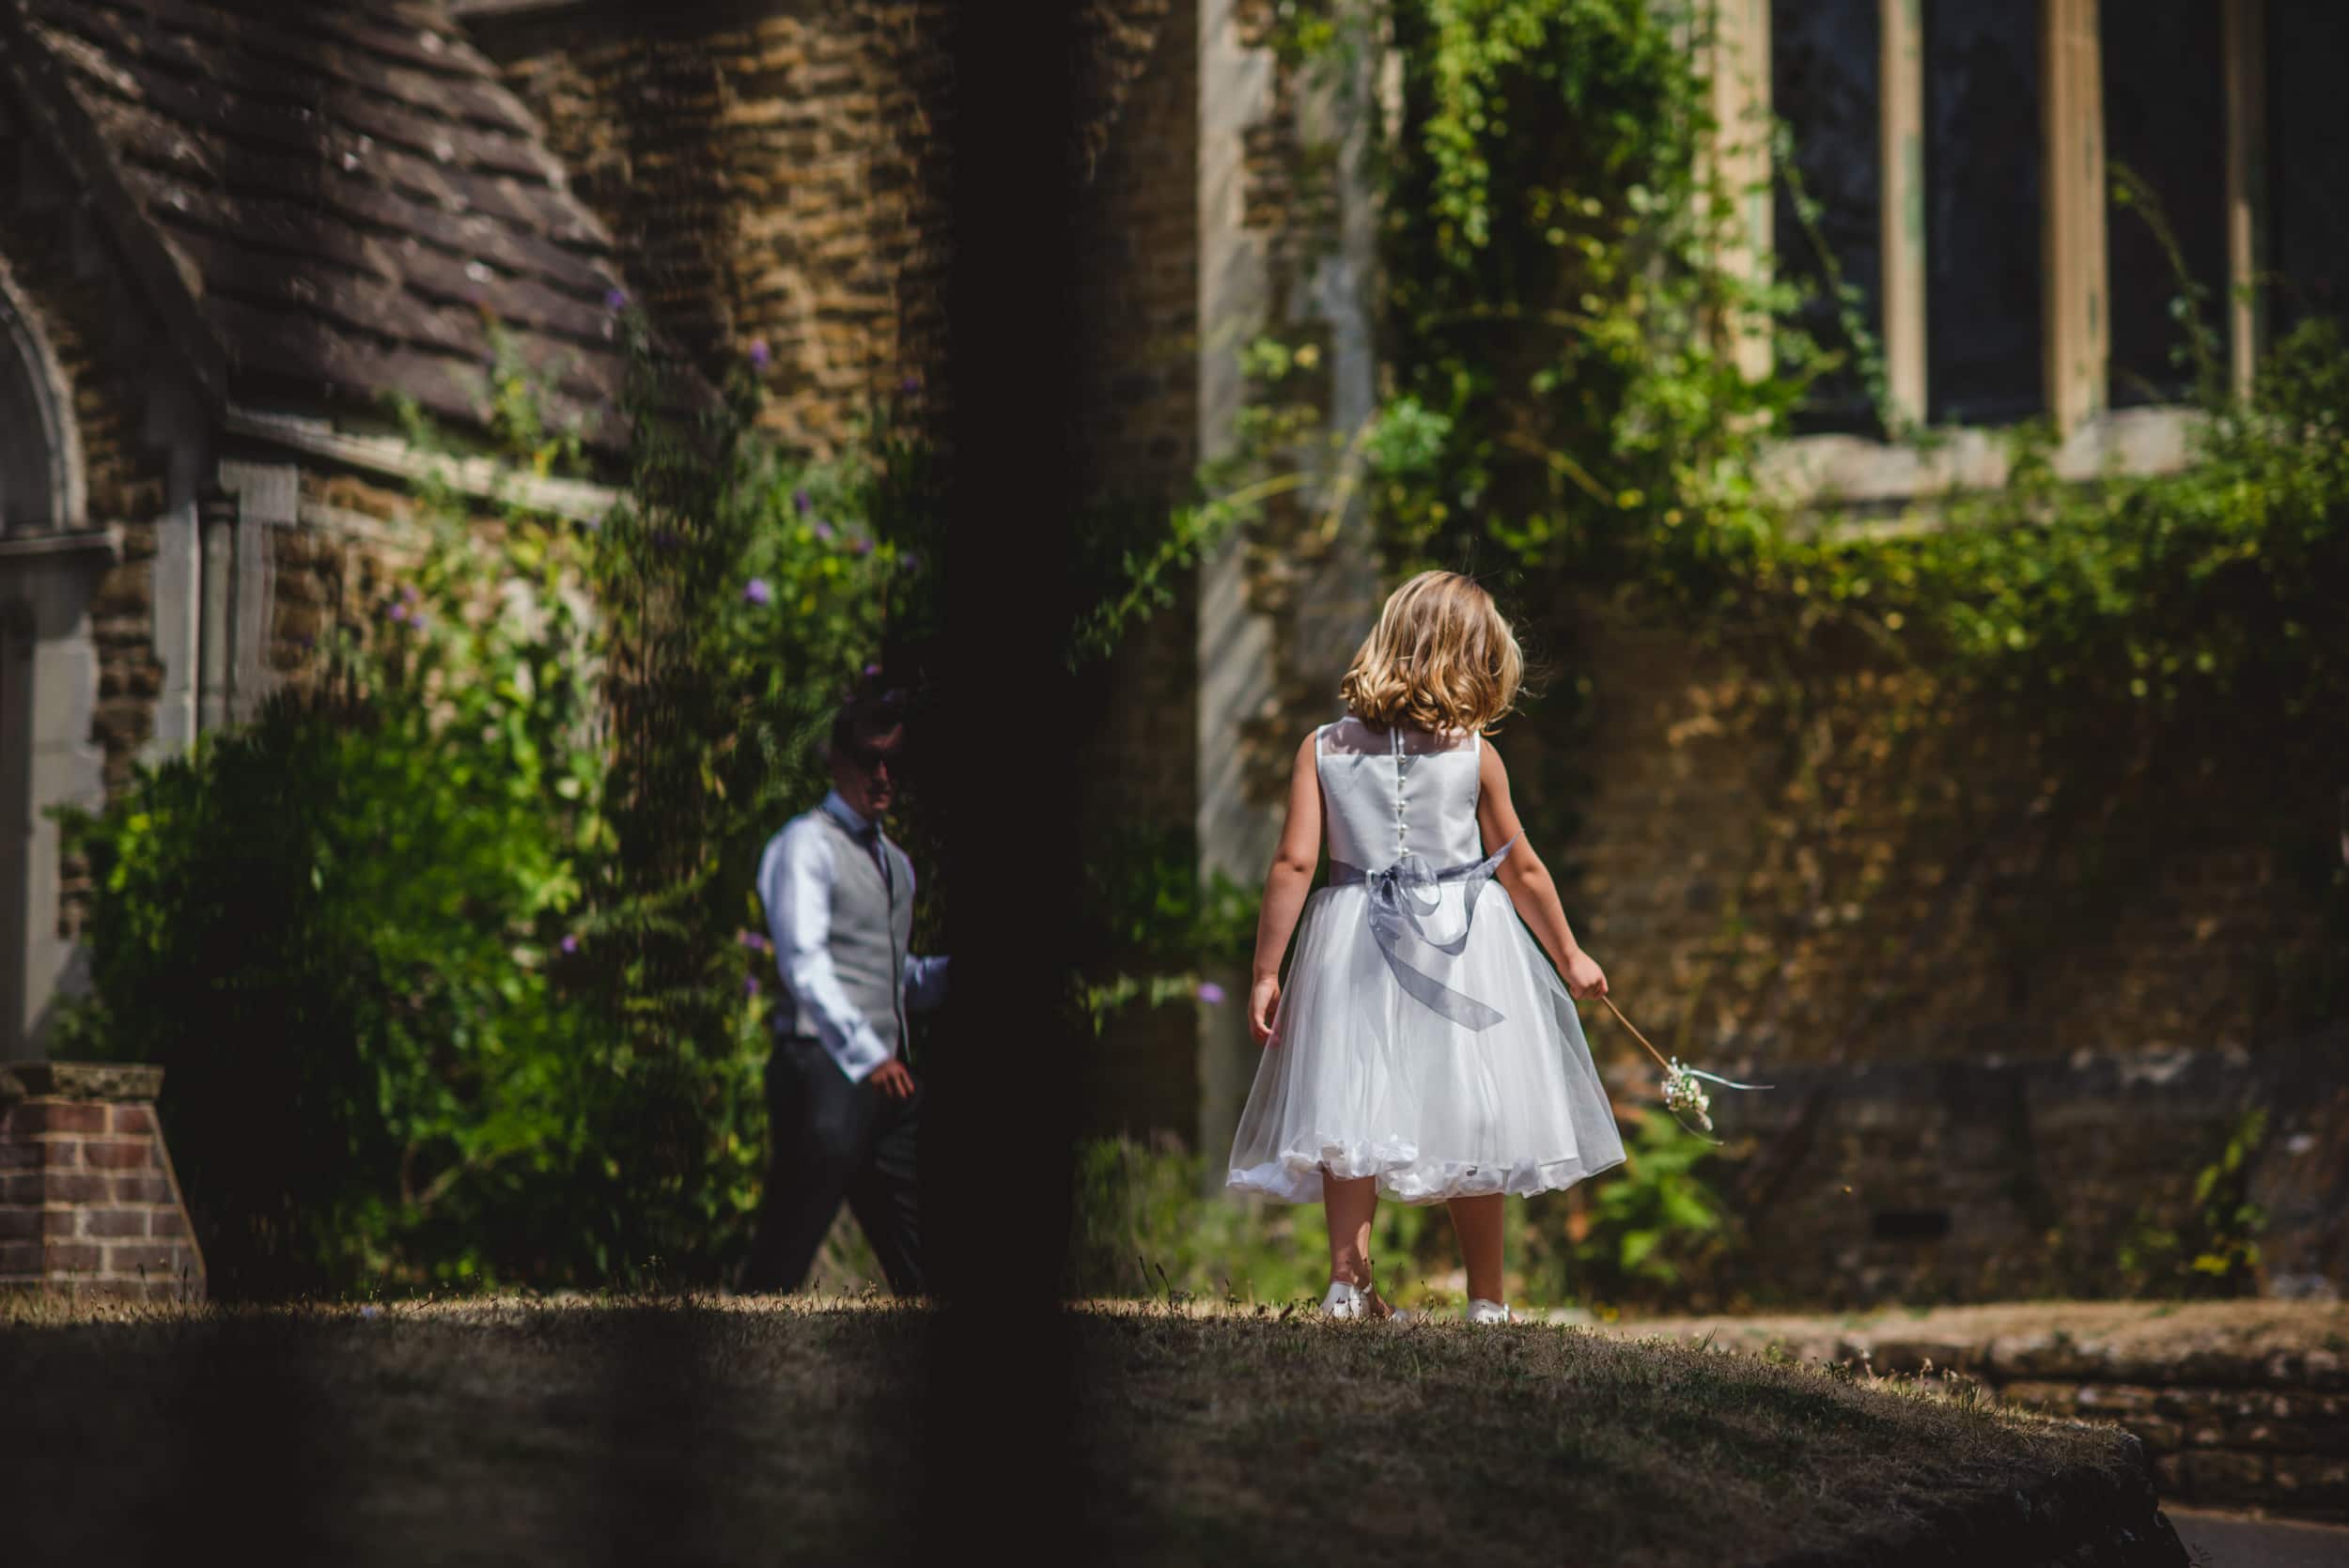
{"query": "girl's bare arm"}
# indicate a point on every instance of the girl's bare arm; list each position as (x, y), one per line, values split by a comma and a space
(1528, 881)
(1284, 888)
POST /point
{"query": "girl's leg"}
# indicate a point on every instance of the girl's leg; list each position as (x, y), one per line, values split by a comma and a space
(1478, 1222)
(1348, 1206)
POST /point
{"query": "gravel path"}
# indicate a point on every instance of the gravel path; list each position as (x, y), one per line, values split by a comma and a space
(2241, 1541)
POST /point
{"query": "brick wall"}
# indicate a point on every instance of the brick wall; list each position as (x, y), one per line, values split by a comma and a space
(2018, 1178)
(779, 173)
(2020, 992)
(88, 1202)
(1888, 873)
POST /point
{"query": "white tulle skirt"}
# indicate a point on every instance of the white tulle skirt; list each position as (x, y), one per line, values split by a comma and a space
(1364, 1079)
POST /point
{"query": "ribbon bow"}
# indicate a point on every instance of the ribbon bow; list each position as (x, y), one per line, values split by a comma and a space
(1396, 908)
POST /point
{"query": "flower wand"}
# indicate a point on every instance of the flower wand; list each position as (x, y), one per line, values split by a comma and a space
(1684, 1096)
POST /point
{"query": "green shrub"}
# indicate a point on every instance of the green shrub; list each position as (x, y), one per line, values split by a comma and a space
(336, 929)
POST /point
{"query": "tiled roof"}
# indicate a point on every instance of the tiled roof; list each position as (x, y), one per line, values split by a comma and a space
(344, 188)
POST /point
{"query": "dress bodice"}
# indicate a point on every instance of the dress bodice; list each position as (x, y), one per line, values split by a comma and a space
(1391, 793)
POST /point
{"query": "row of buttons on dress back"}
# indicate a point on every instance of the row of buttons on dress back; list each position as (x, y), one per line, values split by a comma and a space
(1400, 761)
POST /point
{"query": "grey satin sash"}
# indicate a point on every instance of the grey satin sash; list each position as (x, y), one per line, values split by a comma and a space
(1396, 908)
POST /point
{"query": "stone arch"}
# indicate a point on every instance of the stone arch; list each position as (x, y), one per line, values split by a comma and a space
(40, 445)
(50, 564)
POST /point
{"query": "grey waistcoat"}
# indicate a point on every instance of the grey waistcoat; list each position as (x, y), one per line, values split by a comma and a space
(870, 927)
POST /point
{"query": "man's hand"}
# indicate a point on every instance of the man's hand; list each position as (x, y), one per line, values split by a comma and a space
(893, 1079)
(1584, 978)
(1264, 1006)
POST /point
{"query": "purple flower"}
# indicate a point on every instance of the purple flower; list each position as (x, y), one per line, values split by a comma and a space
(759, 355)
(570, 943)
(800, 502)
(863, 547)
(750, 985)
(416, 621)
(823, 532)
(400, 612)
(912, 383)
(911, 562)
(370, 1311)
(871, 670)
(1211, 993)
(758, 592)
(408, 592)
(614, 300)
(754, 941)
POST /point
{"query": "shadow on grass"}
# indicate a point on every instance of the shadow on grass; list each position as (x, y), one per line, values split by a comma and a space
(793, 1430)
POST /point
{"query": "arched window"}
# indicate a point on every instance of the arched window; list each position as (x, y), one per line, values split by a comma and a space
(50, 561)
(39, 456)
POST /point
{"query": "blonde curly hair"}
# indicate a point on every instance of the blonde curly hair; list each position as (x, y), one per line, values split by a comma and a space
(1441, 658)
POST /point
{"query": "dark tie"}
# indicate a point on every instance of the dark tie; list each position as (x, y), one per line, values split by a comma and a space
(869, 836)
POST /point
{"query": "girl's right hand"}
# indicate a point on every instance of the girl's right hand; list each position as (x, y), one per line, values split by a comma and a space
(1264, 1003)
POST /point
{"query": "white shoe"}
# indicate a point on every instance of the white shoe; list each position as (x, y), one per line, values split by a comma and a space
(1482, 1311)
(1350, 1301)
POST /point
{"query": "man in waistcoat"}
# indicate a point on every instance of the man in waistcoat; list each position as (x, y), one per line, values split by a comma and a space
(842, 1104)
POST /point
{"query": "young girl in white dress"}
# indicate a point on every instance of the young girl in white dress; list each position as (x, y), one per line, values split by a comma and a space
(1423, 1047)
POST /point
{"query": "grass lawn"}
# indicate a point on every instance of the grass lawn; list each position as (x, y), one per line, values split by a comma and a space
(743, 1431)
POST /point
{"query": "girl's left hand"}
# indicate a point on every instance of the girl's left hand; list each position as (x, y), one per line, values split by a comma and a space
(1584, 978)
(1264, 1004)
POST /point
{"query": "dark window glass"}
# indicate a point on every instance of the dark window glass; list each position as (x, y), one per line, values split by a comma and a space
(2166, 122)
(1982, 262)
(2308, 110)
(1823, 84)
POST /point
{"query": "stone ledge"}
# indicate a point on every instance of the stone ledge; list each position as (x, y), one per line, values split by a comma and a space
(2084, 1516)
(80, 1081)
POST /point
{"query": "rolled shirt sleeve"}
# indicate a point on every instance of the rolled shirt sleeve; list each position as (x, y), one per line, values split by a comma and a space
(925, 983)
(795, 881)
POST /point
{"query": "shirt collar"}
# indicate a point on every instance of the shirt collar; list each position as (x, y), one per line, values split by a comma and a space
(844, 813)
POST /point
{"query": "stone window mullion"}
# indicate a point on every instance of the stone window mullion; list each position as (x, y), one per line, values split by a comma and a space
(2078, 309)
(1740, 71)
(1902, 97)
(2244, 27)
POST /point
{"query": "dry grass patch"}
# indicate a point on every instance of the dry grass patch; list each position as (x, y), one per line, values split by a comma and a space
(742, 1430)
(1538, 1444)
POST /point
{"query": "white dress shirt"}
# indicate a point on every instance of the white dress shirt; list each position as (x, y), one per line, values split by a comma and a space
(796, 876)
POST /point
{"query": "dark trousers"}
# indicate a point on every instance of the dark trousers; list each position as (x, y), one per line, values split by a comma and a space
(834, 1140)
